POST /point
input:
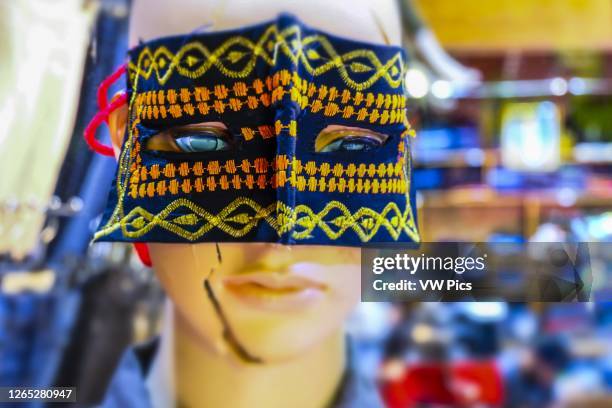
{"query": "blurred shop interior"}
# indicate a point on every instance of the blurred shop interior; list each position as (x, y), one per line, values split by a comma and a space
(512, 103)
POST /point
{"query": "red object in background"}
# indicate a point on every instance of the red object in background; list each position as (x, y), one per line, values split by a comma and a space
(422, 383)
(458, 384)
(486, 376)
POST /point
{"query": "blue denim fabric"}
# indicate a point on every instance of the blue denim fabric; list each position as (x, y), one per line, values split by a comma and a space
(34, 331)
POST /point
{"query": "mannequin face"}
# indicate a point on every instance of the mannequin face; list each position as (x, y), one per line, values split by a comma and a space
(278, 301)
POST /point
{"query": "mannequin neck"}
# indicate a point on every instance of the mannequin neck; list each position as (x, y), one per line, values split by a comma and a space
(204, 378)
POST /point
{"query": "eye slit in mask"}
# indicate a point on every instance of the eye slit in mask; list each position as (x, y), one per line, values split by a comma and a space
(194, 138)
(336, 138)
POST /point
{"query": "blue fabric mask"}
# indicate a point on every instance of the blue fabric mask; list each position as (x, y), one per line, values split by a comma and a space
(271, 133)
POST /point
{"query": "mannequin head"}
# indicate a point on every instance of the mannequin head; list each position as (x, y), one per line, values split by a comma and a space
(277, 300)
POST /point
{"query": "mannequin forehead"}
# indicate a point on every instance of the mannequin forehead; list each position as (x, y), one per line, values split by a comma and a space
(364, 20)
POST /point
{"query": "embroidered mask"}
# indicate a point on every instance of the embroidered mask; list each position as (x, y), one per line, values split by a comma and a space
(271, 133)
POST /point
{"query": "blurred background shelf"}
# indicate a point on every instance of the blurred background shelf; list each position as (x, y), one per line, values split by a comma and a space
(583, 153)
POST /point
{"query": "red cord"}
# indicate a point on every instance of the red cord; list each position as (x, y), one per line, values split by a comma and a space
(106, 84)
(96, 121)
(104, 111)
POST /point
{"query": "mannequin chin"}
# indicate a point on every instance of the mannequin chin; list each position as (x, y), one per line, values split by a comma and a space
(278, 301)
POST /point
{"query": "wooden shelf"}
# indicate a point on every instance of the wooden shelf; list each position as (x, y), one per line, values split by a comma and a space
(490, 157)
(472, 213)
(484, 196)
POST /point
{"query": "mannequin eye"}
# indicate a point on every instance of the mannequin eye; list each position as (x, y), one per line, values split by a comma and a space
(201, 143)
(210, 137)
(347, 139)
(351, 144)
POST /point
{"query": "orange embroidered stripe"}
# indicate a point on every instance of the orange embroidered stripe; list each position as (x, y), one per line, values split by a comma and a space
(262, 181)
(331, 109)
(274, 86)
(269, 131)
(264, 166)
(346, 96)
(220, 92)
(330, 101)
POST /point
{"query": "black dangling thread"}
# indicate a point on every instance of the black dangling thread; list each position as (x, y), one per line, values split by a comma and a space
(219, 257)
(228, 333)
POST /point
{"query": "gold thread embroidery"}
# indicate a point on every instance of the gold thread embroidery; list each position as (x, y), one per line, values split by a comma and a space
(193, 59)
(243, 214)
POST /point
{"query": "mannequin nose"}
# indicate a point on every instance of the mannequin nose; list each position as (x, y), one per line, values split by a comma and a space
(275, 255)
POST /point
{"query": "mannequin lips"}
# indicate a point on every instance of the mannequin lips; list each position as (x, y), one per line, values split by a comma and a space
(274, 291)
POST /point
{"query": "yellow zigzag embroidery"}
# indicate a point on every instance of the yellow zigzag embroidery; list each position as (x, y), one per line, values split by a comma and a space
(243, 214)
(194, 59)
